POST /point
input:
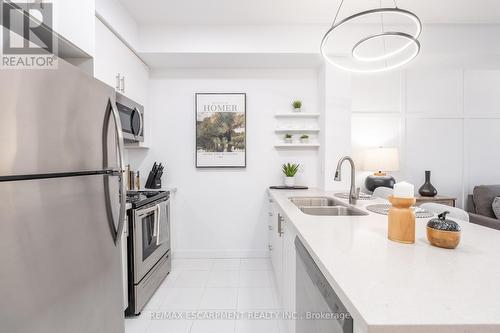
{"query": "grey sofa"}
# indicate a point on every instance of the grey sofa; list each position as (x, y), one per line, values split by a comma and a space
(479, 206)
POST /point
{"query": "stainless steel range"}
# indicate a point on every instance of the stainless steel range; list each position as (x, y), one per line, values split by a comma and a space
(149, 258)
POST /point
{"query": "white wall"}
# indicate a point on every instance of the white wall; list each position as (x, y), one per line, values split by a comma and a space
(335, 103)
(222, 212)
(443, 119)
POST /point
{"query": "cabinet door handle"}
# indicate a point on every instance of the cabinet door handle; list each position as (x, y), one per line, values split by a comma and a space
(122, 81)
(270, 227)
(270, 214)
(270, 247)
(117, 82)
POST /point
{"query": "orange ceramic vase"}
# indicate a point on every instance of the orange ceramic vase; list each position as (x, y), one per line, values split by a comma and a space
(401, 220)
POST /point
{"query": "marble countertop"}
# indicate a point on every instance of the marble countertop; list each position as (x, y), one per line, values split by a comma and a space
(392, 287)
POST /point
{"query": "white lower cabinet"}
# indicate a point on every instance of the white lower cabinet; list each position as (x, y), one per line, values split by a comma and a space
(282, 252)
(276, 245)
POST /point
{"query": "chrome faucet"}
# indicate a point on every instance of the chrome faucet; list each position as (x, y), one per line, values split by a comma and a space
(353, 193)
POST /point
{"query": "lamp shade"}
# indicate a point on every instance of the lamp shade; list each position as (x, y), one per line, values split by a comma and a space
(381, 159)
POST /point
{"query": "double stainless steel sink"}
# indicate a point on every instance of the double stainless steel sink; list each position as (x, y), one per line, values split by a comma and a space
(325, 206)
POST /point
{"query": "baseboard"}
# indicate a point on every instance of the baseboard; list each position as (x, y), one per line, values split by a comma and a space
(219, 254)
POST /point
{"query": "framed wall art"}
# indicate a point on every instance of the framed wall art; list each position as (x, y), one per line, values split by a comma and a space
(220, 130)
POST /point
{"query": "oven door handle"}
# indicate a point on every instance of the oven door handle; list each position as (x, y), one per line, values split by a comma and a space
(156, 229)
(142, 212)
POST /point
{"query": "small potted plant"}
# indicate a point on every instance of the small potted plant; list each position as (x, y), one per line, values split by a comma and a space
(304, 138)
(288, 138)
(297, 105)
(290, 170)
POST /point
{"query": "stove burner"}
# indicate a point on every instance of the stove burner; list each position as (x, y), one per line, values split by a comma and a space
(134, 197)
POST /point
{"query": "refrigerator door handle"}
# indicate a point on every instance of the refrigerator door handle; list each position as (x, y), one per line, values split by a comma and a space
(113, 111)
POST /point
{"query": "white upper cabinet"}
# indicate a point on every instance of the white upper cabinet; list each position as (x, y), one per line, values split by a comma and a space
(74, 20)
(116, 65)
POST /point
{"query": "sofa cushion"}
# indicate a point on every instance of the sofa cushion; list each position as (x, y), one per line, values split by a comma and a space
(496, 207)
(483, 199)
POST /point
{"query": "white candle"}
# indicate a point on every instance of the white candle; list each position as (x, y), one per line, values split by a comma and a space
(403, 190)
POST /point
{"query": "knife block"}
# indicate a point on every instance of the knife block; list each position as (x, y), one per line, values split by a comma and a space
(401, 220)
(156, 184)
(153, 182)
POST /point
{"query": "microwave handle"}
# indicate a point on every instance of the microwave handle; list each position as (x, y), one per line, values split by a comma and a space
(141, 126)
(141, 122)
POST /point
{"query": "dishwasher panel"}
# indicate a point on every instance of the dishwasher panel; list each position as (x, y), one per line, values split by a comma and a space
(316, 301)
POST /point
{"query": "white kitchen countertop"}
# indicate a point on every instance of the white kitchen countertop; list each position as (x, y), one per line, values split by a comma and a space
(170, 188)
(392, 287)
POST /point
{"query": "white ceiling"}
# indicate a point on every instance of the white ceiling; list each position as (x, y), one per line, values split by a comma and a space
(264, 12)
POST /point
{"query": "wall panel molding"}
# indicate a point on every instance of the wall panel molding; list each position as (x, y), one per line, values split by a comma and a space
(474, 108)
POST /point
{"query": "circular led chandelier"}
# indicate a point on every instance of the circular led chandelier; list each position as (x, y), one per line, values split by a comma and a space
(398, 48)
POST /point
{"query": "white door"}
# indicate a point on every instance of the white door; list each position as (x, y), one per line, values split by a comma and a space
(108, 60)
(112, 58)
(74, 20)
(277, 249)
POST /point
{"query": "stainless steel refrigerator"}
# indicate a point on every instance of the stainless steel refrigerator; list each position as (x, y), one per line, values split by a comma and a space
(62, 203)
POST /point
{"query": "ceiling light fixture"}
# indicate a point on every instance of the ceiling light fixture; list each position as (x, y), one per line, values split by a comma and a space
(355, 61)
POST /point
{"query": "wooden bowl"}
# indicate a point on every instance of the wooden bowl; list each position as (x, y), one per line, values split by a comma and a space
(442, 238)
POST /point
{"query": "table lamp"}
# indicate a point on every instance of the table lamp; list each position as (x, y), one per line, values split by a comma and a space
(380, 160)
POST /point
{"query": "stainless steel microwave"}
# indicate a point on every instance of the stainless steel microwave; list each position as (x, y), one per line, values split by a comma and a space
(132, 118)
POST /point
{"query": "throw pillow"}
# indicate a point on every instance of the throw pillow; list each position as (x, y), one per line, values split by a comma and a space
(496, 207)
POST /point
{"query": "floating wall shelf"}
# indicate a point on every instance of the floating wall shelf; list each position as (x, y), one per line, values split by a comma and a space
(296, 145)
(296, 130)
(297, 115)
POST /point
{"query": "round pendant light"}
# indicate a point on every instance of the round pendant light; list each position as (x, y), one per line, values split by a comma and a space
(347, 46)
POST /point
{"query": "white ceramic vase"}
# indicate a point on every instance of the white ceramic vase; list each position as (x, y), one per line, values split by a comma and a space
(297, 109)
(290, 181)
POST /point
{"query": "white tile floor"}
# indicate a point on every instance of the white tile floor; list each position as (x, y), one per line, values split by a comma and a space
(211, 286)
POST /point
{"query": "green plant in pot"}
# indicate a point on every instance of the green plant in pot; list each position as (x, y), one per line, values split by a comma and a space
(290, 170)
(297, 105)
(288, 138)
(304, 138)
